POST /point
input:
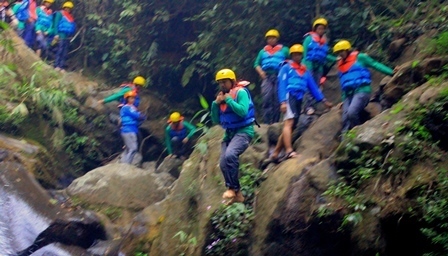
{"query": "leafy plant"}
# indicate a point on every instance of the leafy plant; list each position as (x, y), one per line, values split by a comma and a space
(187, 243)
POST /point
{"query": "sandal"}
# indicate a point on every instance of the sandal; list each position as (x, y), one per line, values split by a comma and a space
(291, 154)
(270, 160)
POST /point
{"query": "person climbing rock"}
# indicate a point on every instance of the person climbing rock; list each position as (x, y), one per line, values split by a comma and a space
(64, 27)
(138, 82)
(267, 65)
(130, 120)
(294, 81)
(234, 110)
(355, 81)
(177, 136)
(43, 26)
(315, 52)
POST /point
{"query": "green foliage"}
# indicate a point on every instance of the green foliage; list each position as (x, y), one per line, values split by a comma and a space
(82, 150)
(439, 44)
(10, 121)
(187, 243)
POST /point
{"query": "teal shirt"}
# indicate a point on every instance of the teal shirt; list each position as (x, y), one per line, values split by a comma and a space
(285, 51)
(313, 65)
(40, 27)
(14, 9)
(241, 108)
(118, 95)
(191, 129)
(54, 31)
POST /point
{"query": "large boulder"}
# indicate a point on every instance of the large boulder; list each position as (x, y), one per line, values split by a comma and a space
(119, 185)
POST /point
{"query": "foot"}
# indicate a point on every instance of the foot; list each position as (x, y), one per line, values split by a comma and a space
(239, 198)
(57, 69)
(229, 194)
(291, 154)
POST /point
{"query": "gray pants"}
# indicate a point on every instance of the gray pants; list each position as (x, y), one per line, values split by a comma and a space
(309, 100)
(229, 160)
(271, 107)
(352, 108)
(130, 141)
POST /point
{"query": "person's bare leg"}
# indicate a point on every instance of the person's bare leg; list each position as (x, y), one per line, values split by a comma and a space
(287, 135)
(278, 147)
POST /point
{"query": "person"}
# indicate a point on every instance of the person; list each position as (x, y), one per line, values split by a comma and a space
(64, 26)
(267, 65)
(24, 12)
(43, 26)
(315, 52)
(234, 110)
(355, 81)
(138, 82)
(130, 119)
(294, 82)
(4, 11)
(177, 135)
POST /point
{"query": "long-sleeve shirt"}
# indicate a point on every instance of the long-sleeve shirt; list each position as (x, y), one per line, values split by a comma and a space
(312, 65)
(239, 107)
(286, 72)
(118, 95)
(191, 129)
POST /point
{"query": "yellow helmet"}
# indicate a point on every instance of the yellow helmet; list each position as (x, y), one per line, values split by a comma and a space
(296, 48)
(68, 4)
(273, 32)
(320, 21)
(49, 1)
(342, 46)
(225, 74)
(139, 80)
(175, 117)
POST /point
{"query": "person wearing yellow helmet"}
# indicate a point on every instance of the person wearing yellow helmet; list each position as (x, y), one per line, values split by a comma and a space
(131, 118)
(134, 86)
(355, 80)
(43, 25)
(267, 65)
(64, 26)
(293, 82)
(177, 136)
(234, 110)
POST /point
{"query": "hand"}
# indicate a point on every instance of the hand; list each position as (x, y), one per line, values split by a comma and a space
(56, 37)
(328, 104)
(262, 75)
(396, 70)
(339, 106)
(220, 98)
(283, 107)
(46, 33)
(185, 140)
(100, 101)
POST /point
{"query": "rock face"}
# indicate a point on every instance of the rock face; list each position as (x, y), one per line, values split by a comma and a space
(119, 185)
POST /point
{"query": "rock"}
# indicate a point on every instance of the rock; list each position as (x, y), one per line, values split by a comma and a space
(119, 185)
(396, 48)
(92, 102)
(374, 109)
(171, 166)
(149, 166)
(135, 161)
(164, 179)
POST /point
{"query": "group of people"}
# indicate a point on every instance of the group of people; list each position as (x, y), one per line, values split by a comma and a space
(41, 28)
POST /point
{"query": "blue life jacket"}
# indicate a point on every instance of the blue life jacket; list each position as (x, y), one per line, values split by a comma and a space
(130, 119)
(66, 26)
(137, 98)
(23, 11)
(229, 120)
(297, 83)
(272, 57)
(181, 132)
(44, 18)
(317, 49)
(352, 74)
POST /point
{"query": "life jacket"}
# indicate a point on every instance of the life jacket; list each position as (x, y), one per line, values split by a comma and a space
(67, 23)
(272, 57)
(352, 74)
(32, 9)
(229, 119)
(297, 83)
(180, 132)
(23, 13)
(44, 17)
(128, 122)
(317, 48)
(134, 89)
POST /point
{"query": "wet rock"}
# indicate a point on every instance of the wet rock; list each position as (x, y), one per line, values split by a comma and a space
(149, 166)
(396, 48)
(171, 166)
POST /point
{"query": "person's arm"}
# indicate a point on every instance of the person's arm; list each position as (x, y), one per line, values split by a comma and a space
(190, 128)
(282, 83)
(257, 65)
(367, 61)
(116, 96)
(306, 43)
(132, 112)
(168, 145)
(285, 51)
(215, 113)
(331, 59)
(312, 86)
(57, 18)
(241, 108)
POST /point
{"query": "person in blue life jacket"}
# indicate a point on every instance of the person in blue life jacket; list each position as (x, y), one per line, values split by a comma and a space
(64, 27)
(135, 86)
(267, 65)
(130, 120)
(43, 26)
(315, 56)
(355, 80)
(177, 136)
(24, 11)
(294, 81)
(234, 110)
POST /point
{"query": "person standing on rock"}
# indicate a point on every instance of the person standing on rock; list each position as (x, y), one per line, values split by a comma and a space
(294, 81)
(177, 136)
(130, 120)
(25, 12)
(43, 26)
(355, 80)
(234, 110)
(315, 52)
(267, 65)
(138, 82)
(64, 27)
